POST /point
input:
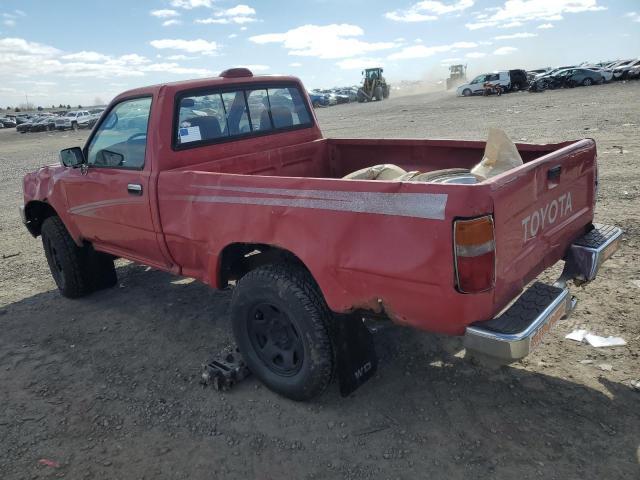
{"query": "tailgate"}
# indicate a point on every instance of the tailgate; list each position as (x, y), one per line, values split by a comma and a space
(539, 209)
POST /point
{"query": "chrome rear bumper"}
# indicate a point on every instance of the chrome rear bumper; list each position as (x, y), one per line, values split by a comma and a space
(514, 333)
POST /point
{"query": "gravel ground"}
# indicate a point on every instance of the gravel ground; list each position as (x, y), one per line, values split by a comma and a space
(107, 386)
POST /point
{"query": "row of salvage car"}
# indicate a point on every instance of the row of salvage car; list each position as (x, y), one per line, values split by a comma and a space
(46, 122)
(585, 74)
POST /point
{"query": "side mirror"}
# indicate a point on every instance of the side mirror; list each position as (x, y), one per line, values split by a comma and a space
(72, 157)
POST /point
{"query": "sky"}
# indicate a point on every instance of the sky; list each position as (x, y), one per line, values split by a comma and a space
(82, 52)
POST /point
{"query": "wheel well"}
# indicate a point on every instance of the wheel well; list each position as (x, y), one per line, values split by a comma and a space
(37, 212)
(238, 259)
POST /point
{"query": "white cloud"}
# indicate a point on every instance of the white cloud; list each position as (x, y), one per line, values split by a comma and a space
(295, 64)
(516, 12)
(422, 51)
(10, 22)
(18, 56)
(164, 13)
(173, 21)
(240, 14)
(85, 56)
(359, 63)
(504, 50)
(232, 35)
(427, 10)
(327, 41)
(475, 55)
(450, 60)
(634, 16)
(545, 26)
(516, 35)
(189, 46)
(190, 4)
(174, 58)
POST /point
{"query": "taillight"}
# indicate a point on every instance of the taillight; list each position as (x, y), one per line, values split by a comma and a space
(475, 254)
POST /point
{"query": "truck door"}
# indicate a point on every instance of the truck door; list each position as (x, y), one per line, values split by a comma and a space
(109, 200)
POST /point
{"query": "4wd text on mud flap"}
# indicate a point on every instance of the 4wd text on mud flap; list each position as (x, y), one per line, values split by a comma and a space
(546, 215)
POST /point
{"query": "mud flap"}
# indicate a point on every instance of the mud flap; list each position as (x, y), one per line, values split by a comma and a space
(356, 355)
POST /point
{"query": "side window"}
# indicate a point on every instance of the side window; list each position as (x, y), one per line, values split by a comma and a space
(121, 139)
(201, 118)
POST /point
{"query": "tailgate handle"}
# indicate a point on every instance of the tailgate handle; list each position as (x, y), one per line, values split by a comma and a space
(554, 173)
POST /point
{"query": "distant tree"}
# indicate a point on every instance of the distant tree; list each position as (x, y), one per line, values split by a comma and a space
(53, 106)
(61, 106)
(79, 106)
(8, 108)
(40, 108)
(17, 109)
(68, 107)
(98, 101)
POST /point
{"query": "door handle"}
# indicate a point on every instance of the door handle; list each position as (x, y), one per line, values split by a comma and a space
(134, 188)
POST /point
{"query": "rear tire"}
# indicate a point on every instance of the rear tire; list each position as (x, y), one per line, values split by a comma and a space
(377, 93)
(281, 324)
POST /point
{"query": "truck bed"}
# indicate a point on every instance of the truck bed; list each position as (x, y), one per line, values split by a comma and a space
(380, 245)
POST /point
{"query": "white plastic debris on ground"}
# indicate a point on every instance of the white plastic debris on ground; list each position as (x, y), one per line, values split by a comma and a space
(595, 340)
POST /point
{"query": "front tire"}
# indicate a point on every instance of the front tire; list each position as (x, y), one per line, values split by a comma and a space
(466, 92)
(587, 82)
(77, 271)
(282, 327)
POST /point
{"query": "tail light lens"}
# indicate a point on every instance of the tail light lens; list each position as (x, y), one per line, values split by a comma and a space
(475, 254)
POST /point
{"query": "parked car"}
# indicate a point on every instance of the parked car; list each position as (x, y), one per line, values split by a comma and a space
(574, 77)
(72, 120)
(553, 71)
(634, 72)
(26, 125)
(318, 99)
(607, 74)
(307, 252)
(509, 80)
(22, 118)
(621, 72)
(7, 122)
(43, 124)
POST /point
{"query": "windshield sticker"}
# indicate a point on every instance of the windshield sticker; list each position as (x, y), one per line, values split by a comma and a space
(190, 134)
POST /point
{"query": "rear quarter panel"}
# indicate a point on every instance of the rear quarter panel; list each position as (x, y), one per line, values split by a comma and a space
(369, 244)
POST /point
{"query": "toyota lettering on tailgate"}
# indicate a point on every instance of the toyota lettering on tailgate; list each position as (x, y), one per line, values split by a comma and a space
(546, 215)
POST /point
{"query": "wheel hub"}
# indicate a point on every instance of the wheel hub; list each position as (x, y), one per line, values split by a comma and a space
(275, 339)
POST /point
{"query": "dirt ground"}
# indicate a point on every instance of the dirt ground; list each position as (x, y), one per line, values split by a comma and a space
(107, 386)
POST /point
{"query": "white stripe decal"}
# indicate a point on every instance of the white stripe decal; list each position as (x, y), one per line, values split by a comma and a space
(417, 205)
(87, 207)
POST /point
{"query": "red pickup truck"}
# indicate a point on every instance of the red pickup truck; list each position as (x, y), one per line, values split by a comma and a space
(230, 181)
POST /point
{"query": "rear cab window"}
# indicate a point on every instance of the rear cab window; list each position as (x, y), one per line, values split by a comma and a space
(220, 115)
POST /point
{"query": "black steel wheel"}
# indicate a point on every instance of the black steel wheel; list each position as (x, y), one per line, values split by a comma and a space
(281, 324)
(275, 339)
